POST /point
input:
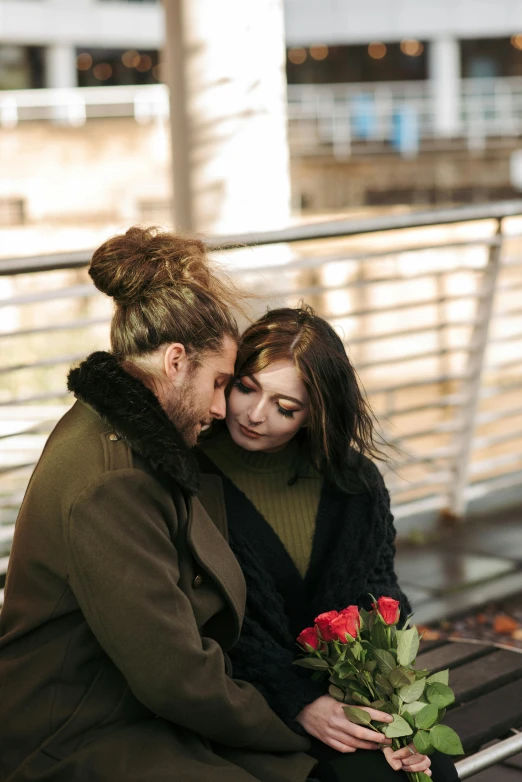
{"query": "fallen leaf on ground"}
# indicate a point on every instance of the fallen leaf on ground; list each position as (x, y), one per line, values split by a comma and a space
(431, 635)
(482, 619)
(504, 624)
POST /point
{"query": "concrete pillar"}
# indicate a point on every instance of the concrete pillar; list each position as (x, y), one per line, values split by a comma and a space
(60, 66)
(225, 67)
(444, 74)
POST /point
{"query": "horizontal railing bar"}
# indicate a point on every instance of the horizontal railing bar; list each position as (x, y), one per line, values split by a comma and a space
(321, 260)
(74, 292)
(494, 391)
(43, 362)
(35, 398)
(489, 757)
(406, 305)
(408, 359)
(508, 338)
(485, 441)
(6, 532)
(503, 460)
(490, 416)
(512, 362)
(68, 326)
(433, 328)
(332, 229)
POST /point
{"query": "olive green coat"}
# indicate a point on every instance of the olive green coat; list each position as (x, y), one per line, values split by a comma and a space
(122, 598)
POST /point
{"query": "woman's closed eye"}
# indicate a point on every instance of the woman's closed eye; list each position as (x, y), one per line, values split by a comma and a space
(242, 387)
(286, 413)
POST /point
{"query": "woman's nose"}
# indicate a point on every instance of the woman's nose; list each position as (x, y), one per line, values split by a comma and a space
(256, 414)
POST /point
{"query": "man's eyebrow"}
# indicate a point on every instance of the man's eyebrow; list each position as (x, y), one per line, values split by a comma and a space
(277, 396)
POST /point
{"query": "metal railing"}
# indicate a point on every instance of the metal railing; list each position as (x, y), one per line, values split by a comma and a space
(428, 304)
(322, 117)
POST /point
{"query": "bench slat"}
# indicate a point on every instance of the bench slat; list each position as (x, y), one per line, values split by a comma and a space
(487, 717)
(482, 675)
(451, 655)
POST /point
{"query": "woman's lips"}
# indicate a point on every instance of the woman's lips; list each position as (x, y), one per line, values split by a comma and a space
(249, 432)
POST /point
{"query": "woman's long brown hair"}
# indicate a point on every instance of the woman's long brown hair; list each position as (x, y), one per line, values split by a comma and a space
(340, 431)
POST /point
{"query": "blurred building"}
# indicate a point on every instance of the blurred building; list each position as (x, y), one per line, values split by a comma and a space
(410, 101)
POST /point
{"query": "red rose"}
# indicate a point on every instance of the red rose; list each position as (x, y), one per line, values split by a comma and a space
(347, 623)
(352, 611)
(389, 609)
(322, 622)
(309, 637)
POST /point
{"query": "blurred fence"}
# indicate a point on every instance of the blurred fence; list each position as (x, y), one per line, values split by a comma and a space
(322, 117)
(429, 306)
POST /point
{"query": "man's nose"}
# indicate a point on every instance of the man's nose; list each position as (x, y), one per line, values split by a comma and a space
(218, 408)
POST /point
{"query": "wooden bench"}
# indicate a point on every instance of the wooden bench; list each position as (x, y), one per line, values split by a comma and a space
(487, 682)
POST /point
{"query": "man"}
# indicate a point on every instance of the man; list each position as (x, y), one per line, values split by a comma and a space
(122, 595)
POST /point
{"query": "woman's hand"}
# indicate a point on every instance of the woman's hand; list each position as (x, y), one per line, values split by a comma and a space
(405, 760)
(325, 720)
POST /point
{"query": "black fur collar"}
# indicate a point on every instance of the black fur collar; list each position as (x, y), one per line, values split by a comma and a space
(134, 412)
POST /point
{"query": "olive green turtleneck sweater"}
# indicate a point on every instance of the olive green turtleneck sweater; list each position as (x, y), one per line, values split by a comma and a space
(290, 510)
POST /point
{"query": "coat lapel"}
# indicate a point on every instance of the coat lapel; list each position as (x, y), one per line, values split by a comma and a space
(207, 538)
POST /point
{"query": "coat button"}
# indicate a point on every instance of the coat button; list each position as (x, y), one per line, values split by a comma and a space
(114, 437)
(197, 581)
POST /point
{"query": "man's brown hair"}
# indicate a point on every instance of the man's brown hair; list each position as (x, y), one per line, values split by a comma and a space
(165, 290)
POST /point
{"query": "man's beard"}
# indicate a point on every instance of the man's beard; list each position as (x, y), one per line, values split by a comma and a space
(180, 411)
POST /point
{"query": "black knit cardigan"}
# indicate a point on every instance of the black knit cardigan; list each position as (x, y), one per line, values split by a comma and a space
(352, 555)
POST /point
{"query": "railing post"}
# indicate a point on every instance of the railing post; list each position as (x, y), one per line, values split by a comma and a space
(473, 378)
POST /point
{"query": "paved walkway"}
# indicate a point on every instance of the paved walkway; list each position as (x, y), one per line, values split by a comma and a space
(464, 567)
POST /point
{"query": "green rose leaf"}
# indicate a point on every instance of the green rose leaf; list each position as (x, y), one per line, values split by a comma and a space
(358, 716)
(379, 636)
(427, 716)
(385, 661)
(370, 665)
(422, 742)
(378, 704)
(336, 692)
(410, 719)
(439, 694)
(315, 663)
(413, 691)
(415, 707)
(408, 646)
(383, 683)
(388, 707)
(396, 701)
(446, 740)
(362, 699)
(365, 616)
(401, 677)
(399, 727)
(442, 677)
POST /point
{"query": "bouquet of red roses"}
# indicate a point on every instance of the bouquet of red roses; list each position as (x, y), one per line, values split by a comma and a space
(370, 662)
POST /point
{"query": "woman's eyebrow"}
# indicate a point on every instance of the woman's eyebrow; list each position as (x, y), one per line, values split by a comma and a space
(276, 396)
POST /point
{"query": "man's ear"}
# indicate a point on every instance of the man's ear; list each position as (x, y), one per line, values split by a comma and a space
(176, 362)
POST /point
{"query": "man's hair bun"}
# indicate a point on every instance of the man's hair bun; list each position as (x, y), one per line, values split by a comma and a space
(133, 266)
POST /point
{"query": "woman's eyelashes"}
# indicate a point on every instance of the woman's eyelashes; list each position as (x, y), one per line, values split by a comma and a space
(243, 389)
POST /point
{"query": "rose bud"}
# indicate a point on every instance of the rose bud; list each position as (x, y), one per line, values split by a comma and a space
(322, 622)
(309, 637)
(353, 611)
(388, 609)
(346, 624)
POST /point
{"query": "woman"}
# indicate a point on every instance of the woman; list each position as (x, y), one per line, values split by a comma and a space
(310, 523)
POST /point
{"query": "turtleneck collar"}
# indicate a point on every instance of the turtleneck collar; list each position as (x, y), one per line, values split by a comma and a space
(256, 461)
